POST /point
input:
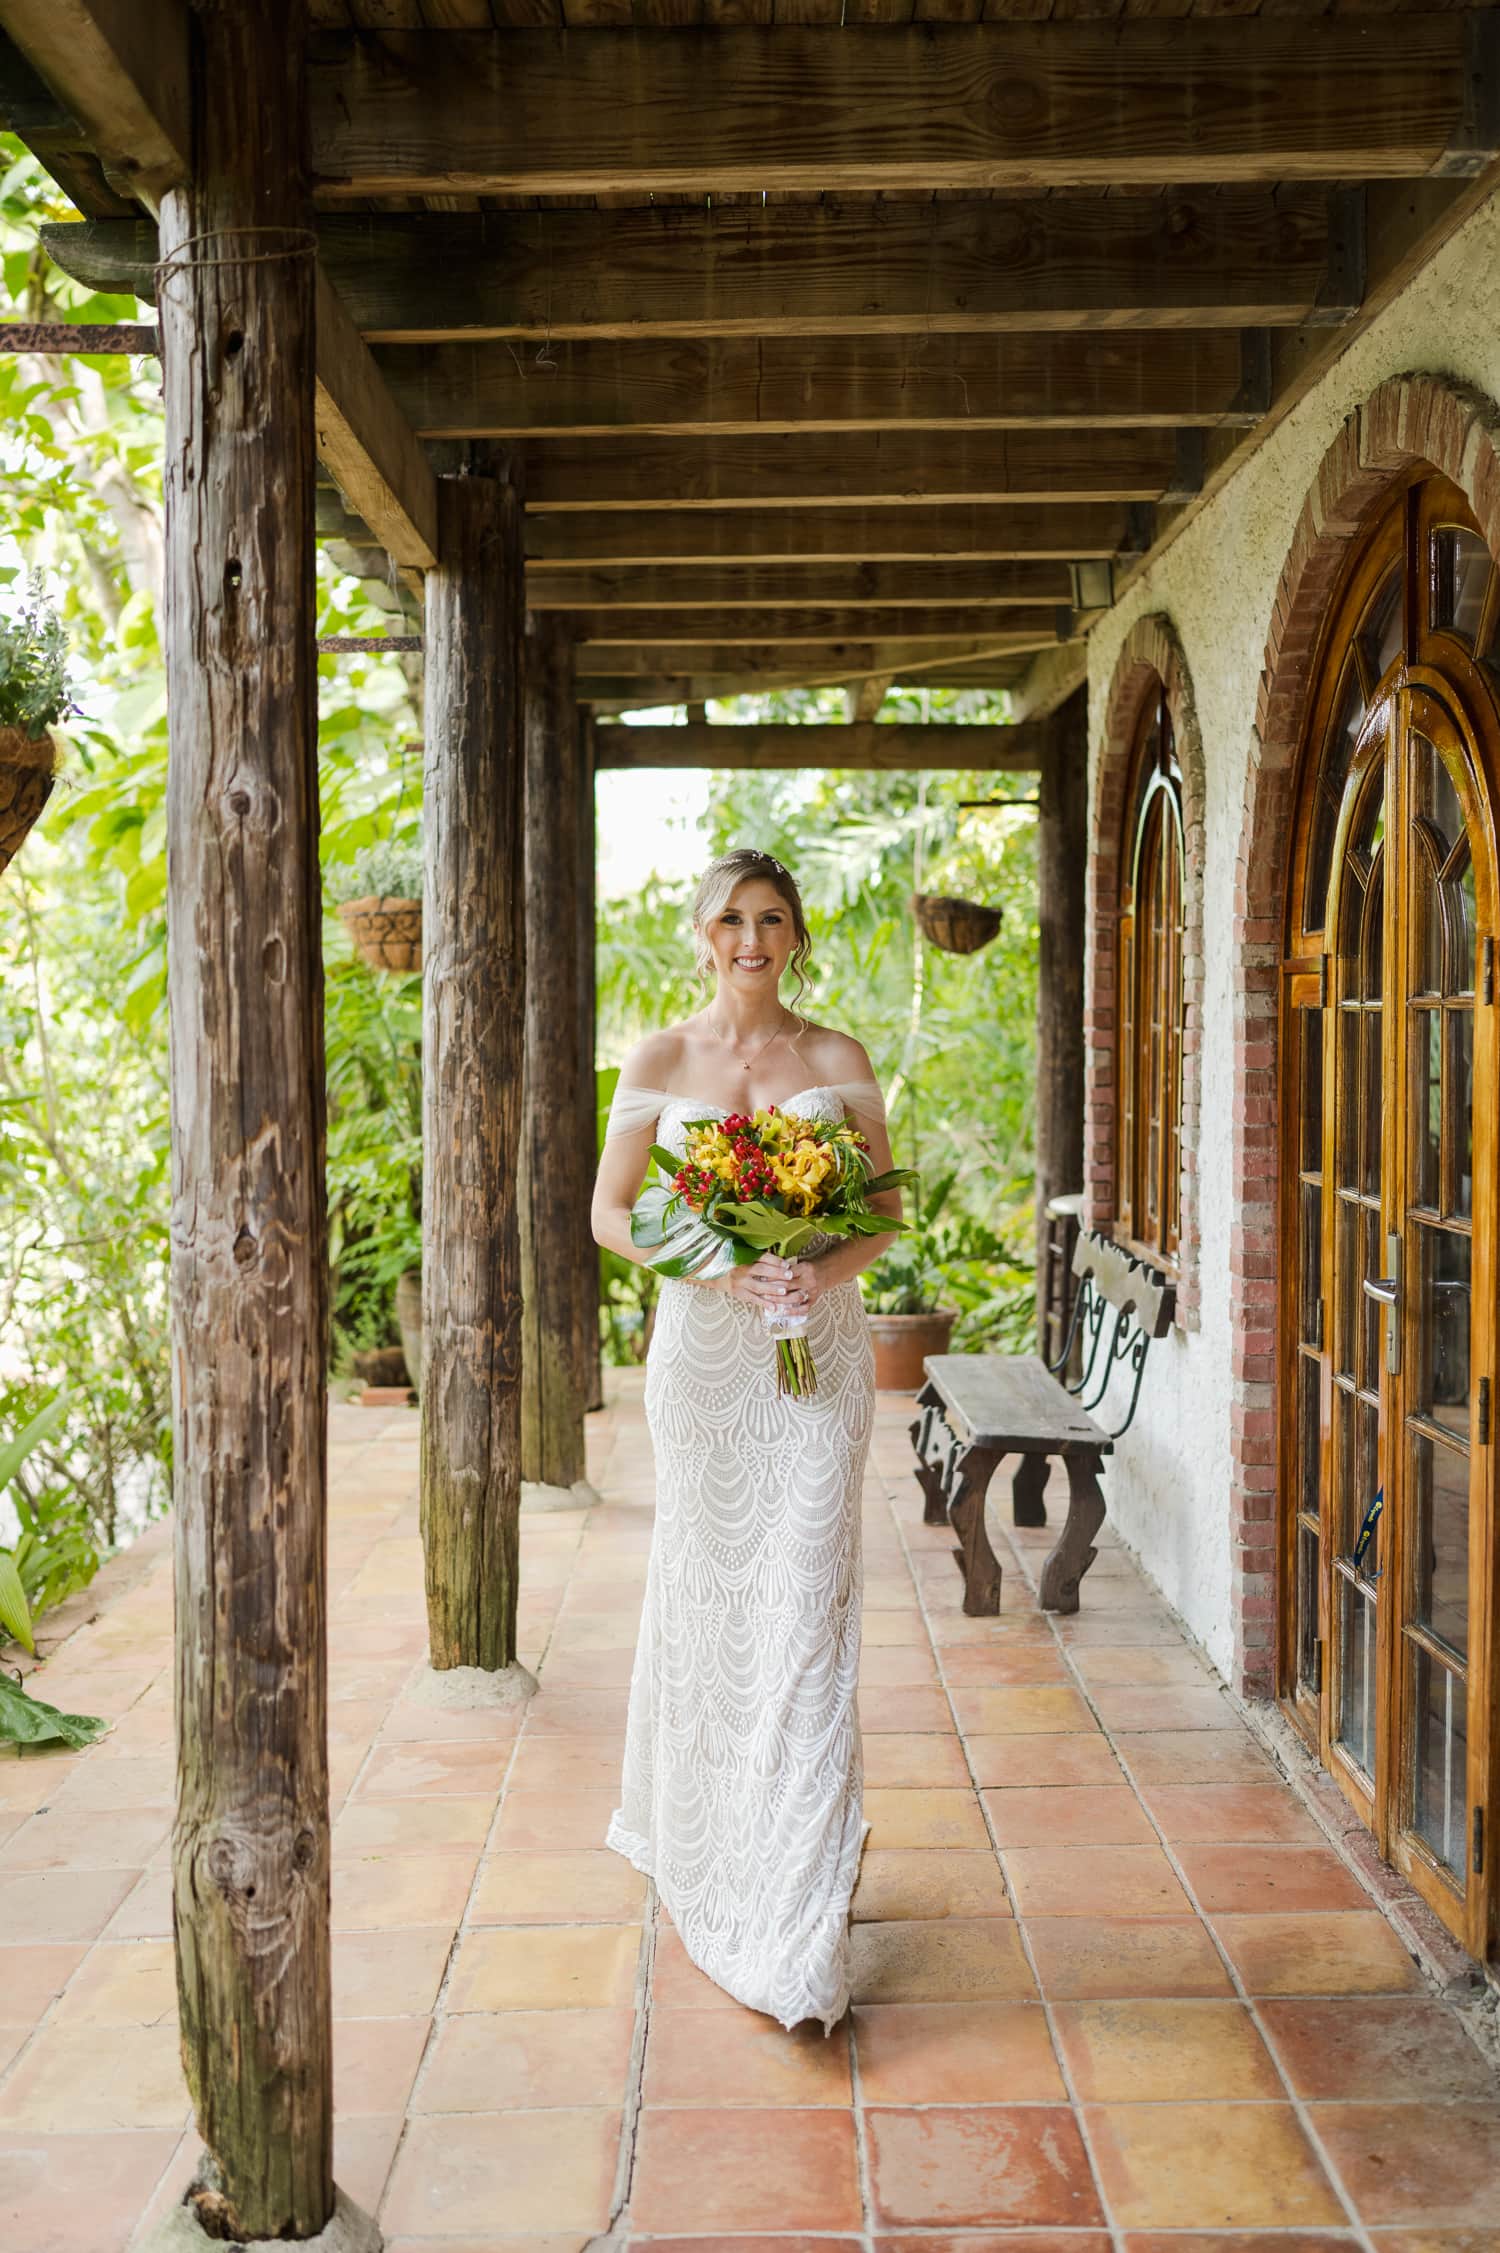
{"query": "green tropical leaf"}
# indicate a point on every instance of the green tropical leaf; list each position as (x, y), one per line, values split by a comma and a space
(15, 1612)
(766, 1229)
(25, 1720)
(41, 1427)
(899, 1177)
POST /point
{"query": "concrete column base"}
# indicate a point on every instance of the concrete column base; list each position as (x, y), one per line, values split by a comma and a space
(348, 2228)
(535, 1495)
(474, 1689)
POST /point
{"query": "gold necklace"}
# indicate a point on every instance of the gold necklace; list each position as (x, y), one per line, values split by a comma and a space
(765, 1044)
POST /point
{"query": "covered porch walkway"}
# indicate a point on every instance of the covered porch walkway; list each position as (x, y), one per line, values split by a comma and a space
(1111, 1979)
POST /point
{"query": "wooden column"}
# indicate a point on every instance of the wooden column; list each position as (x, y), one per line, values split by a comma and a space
(590, 1360)
(557, 1166)
(248, 1259)
(1062, 854)
(473, 1017)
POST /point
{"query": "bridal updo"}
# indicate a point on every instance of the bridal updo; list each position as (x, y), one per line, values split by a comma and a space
(717, 887)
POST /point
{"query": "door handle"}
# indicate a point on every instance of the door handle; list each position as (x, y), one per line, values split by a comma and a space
(1385, 1290)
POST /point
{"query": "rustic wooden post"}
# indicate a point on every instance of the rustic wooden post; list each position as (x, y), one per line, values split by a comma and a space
(590, 1360)
(473, 1023)
(248, 1261)
(557, 1170)
(1062, 853)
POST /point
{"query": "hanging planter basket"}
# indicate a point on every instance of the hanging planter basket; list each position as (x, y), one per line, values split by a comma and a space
(27, 765)
(957, 926)
(386, 931)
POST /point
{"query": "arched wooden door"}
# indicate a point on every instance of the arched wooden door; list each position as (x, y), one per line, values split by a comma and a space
(1389, 1162)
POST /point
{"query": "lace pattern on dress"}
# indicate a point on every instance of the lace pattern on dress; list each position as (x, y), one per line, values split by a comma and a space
(742, 1791)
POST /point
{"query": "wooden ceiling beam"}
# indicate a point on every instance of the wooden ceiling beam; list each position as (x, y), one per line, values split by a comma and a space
(665, 590)
(890, 746)
(121, 67)
(867, 107)
(625, 629)
(818, 661)
(1017, 533)
(859, 469)
(366, 444)
(1244, 257)
(862, 469)
(616, 693)
(1111, 379)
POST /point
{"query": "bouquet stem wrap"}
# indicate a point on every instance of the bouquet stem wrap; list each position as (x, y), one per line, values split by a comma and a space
(795, 1373)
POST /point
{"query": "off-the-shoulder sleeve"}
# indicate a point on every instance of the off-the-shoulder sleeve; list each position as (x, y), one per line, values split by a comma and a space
(863, 1100)
(634, 1108)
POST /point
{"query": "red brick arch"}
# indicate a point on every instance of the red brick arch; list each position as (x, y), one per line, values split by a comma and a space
(1151, 654)
(1410, 419)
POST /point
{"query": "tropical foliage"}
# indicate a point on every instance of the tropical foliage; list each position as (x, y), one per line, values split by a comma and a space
(84, 1186)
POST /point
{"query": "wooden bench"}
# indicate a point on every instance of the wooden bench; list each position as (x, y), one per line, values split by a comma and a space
(979, 1408)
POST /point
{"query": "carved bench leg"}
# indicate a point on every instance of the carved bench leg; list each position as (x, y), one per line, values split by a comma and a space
(1070, 1560)
(968, 1483)
(931, 1471)
(1028, 1491)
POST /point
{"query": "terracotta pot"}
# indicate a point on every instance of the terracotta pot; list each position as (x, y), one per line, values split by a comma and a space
(902, 1342)
(409, 1323)
(382, 1366)
(26, 774)
(387, 931)
(957, 926)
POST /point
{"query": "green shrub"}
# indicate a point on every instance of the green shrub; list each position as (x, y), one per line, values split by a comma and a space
(34, 688)
(389, 870)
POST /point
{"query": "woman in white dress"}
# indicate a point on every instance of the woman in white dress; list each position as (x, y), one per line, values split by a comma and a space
(742, 1790)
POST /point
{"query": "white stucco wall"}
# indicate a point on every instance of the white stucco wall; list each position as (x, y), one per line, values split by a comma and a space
(1168, 1484)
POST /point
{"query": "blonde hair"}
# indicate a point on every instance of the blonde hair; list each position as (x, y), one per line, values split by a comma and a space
(717, 887)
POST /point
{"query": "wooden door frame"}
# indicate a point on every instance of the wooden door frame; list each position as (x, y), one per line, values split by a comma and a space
(1469, 694)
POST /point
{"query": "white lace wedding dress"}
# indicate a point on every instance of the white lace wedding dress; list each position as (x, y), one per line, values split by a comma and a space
(742, 1790)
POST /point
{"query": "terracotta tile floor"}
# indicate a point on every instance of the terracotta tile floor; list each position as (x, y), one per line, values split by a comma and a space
(1113, 1989)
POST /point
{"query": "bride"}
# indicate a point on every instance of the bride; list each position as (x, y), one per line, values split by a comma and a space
(742, 1786)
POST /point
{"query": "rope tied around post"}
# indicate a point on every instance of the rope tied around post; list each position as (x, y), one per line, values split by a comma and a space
(296, 242)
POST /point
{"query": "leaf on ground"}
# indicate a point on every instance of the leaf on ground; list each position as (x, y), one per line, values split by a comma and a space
(25, 1720)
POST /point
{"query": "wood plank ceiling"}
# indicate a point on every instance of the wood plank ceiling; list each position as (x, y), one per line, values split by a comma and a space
(839, 334)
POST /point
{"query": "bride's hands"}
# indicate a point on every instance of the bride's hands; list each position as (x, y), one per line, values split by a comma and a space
(806, 1286)
(768, 1283)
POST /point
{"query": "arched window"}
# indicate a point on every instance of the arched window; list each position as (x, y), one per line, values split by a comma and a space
(1149, 1061)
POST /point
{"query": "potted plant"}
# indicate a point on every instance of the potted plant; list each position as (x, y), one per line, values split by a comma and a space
(33, 695)
(950, 1269)
(379, 899)
(903, 1293)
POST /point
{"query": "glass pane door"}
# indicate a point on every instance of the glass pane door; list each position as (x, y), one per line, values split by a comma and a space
(1442, 1343)
(1390, 1208)
(1356, 1464)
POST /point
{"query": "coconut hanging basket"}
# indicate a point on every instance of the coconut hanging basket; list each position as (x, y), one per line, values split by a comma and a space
(957, 926)
(26, 775)
(386, 931)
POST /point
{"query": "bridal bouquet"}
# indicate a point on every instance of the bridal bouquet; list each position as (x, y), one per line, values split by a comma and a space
(760, 1182)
